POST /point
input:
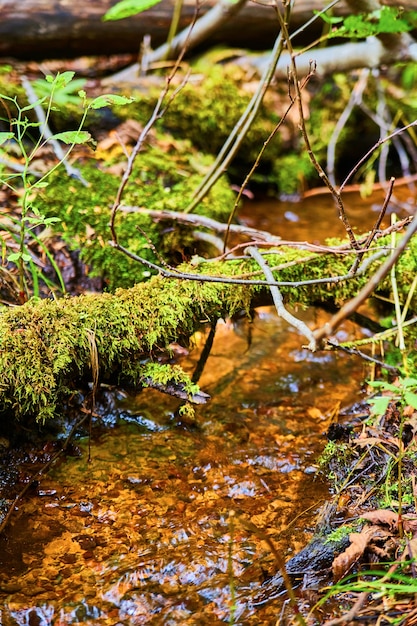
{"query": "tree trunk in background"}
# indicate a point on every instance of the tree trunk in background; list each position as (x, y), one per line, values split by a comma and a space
(44, 29)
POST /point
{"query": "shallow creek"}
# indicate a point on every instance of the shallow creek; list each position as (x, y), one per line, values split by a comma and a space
(159, 527)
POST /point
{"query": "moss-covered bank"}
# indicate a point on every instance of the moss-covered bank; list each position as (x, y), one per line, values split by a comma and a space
(163, 178)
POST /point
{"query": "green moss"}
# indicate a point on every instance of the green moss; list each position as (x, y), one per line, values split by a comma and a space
(344, 531)
(45, 346)
(206, 110)
(167, 374)
(162, 179)
(291, 171)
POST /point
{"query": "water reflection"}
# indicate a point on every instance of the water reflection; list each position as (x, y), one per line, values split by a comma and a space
(142, 533)
(315, 218)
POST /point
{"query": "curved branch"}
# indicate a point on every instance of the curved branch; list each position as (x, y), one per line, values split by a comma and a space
(278, 301)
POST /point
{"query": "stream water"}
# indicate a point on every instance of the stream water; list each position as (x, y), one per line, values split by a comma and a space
(165, 523)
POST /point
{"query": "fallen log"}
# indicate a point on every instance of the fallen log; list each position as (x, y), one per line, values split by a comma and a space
(48, 349)
(39, 29)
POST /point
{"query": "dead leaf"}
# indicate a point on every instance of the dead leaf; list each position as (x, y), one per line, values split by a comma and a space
(344, 562)
(410, 551)
(382, 516)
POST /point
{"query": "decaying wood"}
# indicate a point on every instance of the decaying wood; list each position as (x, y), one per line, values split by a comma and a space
(44, 29)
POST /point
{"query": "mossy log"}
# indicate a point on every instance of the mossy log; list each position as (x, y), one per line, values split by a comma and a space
(48, 348)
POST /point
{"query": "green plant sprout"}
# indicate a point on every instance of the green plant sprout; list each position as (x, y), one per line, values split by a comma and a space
(403, 394)
(24, 183)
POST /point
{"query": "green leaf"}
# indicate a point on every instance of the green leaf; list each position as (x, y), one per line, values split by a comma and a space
(32, 105)
(384, 20)
(408, 383)
(127, 8)
(108, 99)
(62, 92)
(40, 185)
(379, 404)
(381, 384)
(73, 136)
(16, 256)
(5, 137)
(62, 80)
(42, 220)
(411, 399)
(391, 21)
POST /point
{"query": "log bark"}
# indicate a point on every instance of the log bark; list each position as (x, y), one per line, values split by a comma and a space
(38, 29)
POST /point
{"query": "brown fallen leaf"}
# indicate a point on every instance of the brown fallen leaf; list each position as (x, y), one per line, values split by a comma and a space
(385, 517)
(410, 524)
(343, 563)
(410, 551)
(382, 516)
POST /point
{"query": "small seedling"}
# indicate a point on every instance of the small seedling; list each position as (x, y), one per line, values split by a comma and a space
(25, 139)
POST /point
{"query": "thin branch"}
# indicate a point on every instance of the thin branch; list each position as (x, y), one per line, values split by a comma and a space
(354, 100)
(157, 113)
(375, 228)
(233, 142)
(395, 295)
(205, 353)
(353, 171)
(257, 162)
(278, 301)
(362, 355)
(353, 304)
(352, 614)
(207, 222)
(208, 278)
(320, 171)
(388, 125)
(261, 237)
(194, 34)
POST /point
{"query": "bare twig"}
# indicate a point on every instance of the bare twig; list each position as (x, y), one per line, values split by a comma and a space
(249, 525)
(227, 280)
(362, 355)
(395, 294)
(157, 113)
(261, 237)
(353, 171)
(238, 133)
(403, 153)
(207, 222)
(17, 167)
(354, 100)
(255, 165)
(278, 301)
(198, 31)
(353, 304)
(375, 228)
(320, 171)
(351, 615)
